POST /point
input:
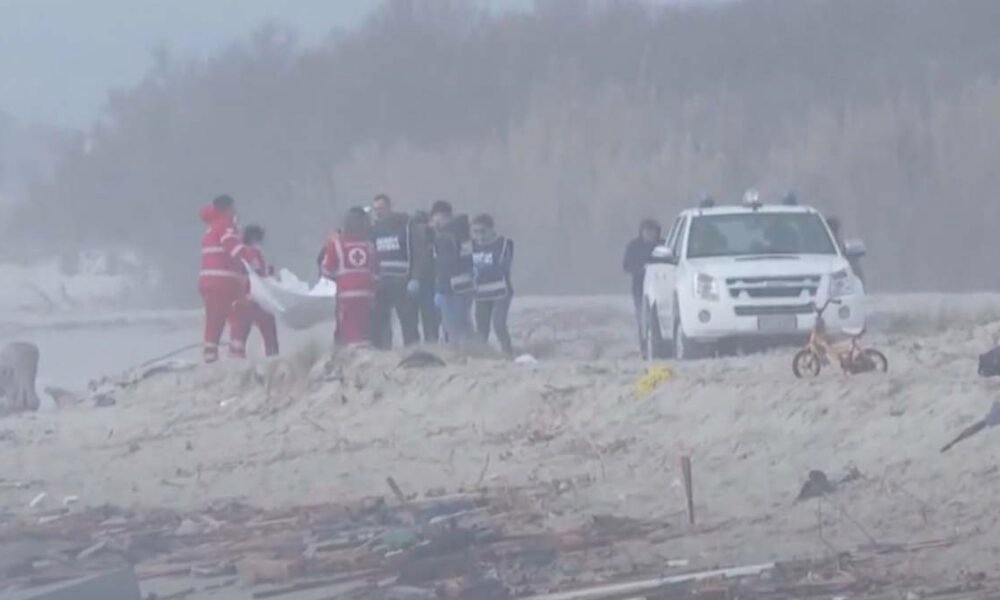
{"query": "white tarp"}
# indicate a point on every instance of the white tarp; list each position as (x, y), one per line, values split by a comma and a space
(292, 301)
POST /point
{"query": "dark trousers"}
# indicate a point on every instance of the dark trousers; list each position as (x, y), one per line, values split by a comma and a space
(637, 301)
(493, 314)
(430, 315)
(391, 296)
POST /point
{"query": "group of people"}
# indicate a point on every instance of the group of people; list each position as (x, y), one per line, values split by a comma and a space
(431, 271)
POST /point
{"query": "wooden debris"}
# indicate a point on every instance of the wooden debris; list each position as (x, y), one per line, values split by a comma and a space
(396, 491)
(255, 570)
(638, 587)
(489, 545)
(688, 487)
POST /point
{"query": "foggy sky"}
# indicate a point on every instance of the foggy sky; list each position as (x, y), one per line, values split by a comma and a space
(59, 58)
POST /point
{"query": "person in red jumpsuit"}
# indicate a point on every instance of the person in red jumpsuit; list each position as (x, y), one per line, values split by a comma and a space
(246, 313)
(350, 261)
(221, 279)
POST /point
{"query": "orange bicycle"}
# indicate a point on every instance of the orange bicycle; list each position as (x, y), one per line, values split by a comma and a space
(819, 351)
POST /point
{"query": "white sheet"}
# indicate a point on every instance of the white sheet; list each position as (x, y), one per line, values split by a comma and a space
(292, 301)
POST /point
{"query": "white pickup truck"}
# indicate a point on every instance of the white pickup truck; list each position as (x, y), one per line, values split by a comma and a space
(731, 276)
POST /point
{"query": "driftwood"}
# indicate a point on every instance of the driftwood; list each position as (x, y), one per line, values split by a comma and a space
(18, 370)
(490, 545)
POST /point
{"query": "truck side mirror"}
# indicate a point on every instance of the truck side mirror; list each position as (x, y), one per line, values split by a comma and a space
(662, 255)
(854, 249)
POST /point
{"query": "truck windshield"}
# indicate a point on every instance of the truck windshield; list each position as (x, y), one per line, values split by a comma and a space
(758, 233)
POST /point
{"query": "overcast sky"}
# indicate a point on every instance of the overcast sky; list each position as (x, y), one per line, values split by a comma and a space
(58, 58)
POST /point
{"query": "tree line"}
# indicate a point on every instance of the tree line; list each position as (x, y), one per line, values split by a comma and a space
(569, 123)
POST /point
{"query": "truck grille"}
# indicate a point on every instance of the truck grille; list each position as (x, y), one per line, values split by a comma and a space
(773, 287)
(787, 309)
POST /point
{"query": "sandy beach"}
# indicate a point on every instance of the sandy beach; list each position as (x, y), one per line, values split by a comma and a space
(315, 427)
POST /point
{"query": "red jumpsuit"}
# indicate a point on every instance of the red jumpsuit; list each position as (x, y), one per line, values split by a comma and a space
(246, 313)
(221, 280)
(350, 262)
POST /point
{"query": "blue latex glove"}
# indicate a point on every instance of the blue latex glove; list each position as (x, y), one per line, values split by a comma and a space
(439, 301)
(413, 287)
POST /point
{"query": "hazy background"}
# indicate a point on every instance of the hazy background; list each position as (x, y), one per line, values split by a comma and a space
(567, 119)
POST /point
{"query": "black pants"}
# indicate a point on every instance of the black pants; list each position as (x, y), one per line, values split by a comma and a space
(391, 296)
(637, 301)
(430, 316)
(494, 313)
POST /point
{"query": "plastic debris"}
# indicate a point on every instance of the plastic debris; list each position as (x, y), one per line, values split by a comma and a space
(651, 379)
(526, 359)
(421, 359)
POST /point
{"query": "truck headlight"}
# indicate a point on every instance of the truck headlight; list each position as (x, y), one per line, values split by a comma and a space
(841, 284)
(706, 287)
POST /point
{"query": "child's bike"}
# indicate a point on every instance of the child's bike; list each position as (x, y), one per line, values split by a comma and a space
(820, 351)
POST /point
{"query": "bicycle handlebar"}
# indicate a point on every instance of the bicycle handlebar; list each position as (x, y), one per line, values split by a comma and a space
(829, 301)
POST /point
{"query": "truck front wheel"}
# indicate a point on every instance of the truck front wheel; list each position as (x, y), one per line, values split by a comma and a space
(686, 348)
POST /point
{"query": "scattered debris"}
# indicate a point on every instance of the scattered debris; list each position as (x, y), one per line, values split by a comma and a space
(688, 487)
(488, 545)
(104, 400)
(37, 500)
(63, 398)
(818, 484)
(651, 379)
(262, 570)
(992, 419)
(18, 371)
(421, 359)
(815, 487)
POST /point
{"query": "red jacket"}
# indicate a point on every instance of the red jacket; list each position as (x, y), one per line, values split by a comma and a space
(255, 258)
(352, 264)
(222, 251)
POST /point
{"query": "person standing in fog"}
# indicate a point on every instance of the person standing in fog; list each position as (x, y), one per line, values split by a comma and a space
(492, 257)
(428, 314)
(396, 249)
(349, 260)
(220, 280)
(453, 272)
(853, 261)
(637, 253)
(246, 313)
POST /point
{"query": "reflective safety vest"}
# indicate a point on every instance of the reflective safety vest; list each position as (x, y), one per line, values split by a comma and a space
(391, 237)
(222, 251)
(463, 279)
(351, 263)
(492, 268)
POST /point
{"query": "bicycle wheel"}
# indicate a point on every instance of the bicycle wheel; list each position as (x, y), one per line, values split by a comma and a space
(806, 364)
(876, 358)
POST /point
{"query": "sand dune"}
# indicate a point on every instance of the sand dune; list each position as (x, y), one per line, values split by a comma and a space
(313, 427)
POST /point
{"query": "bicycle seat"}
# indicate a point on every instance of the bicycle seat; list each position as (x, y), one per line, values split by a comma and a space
(854, 332)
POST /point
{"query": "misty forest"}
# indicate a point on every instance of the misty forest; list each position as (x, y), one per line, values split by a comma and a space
(568, 123)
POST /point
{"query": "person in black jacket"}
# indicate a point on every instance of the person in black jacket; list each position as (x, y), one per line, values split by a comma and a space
(492, 257)
(402, 253)
(453, 272)
(637, 252)
(429, 315)
(854, 261)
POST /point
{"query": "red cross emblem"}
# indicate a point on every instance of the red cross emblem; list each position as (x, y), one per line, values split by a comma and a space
(357, 257)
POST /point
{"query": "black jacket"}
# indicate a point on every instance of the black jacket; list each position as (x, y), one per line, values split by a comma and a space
(636, 253)
(449, 259)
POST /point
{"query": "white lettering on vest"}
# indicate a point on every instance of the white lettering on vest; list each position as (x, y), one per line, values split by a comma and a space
(387, 244)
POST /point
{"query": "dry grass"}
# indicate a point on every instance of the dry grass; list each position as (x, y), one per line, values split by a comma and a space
(934, 316)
